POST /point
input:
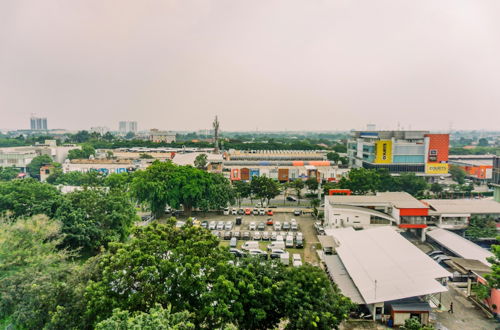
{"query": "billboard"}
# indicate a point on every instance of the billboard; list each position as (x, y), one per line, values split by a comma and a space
(436, 168)
(383, 151)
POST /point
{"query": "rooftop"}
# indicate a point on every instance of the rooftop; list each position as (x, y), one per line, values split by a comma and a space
(461, 206)
(460, 246)
(397, 199)
(384, 266)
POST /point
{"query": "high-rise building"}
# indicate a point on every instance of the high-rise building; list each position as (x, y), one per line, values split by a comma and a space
(38, 123)
(127, 126)
(400, 151)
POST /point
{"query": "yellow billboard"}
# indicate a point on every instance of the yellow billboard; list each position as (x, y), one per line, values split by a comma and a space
(383, 151)
(436, 168)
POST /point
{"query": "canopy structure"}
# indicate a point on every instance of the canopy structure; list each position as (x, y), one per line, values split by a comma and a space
(460, 246)
(384, 266)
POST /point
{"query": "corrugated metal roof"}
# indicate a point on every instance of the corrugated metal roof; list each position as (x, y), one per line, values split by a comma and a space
(470, 206)
(341, 277)
(398, 199)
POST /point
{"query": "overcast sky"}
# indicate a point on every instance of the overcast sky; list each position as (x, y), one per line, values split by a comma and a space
(259, 64)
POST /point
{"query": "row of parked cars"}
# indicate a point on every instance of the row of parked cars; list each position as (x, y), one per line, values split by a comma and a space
(438, 256)
(247, 211)
(292, 225)
(280, 254)
(290, 239)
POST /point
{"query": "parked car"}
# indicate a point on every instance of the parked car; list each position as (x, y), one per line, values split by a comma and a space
(279, 238)
(262, 212)
(269, 221)
(273, 236)
(180, 224)
(435, 252)
(286, 225)
(216, 233)
(228, 225)
(291, 199)
(265, 236)
(252, 226)
(245, 235)
(277, 253)
(204, 224)
(255, 212)
(168, 209)
(293, 225)
(257, 236)
(269, 212)
(289, 241)
(261, 226)
(258, 253)
(297, 212)
(248, 211)
(234, 211)
(226, 211)
(299, 242)
(319, 228)
(442, 258)
(296, 260)
(277, 225)
(227, 235)
(238, 221)
(276, 245)
(233, 242)
(241, 211)
(236, 252)
(250, 245)
(212, 225)
(283, 234)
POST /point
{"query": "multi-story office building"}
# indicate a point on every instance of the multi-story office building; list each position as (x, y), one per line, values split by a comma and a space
(127, 126)
(400, 151)
(38, 123)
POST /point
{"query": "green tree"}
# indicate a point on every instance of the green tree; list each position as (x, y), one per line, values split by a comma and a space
(92, 218)
(28, 197)
(333, 156)
(33, 271)
(493, 278)
(483, 142)
(413, 323)
(436, 188)
(264, 188)
(480, 227)
(311, 301)
(8, 173)
(312, 184)
(145, 156)
(33, 168)
(361, 181)
(297, 185)
(412, 184)
(85, 152)
(458, 174)
(76, 178)
(201, 161)
(120, 181)
(157, 318)
(81, 136)
(344, 160)
(242, 189)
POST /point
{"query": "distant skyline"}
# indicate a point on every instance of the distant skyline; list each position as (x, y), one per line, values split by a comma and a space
(274, 65)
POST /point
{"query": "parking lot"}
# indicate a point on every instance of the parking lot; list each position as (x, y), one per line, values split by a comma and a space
(305, 224)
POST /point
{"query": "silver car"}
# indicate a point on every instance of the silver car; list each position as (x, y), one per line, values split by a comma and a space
(252, 226)
(229, 225)
(220, 225)
(256, 236)
(277, 226)
(212, 225)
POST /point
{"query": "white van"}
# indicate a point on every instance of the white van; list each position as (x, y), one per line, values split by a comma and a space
(289, 241)
(226, 211)
(276, 245)
(250, 245)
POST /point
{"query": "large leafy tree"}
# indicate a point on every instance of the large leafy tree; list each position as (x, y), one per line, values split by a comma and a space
(92, 218)
(297, 185)
(494, 277)
(201, 161)
(480, 227)
(412, 184)
(312, 184)
(458, 174)
(242, 190)
(264, 188)
(8, 173)
(85, 152)
(164, 183)
(361, 181)
(28, 197)
(33, 168)
(158, 318)
(76, 178)
(34, 273)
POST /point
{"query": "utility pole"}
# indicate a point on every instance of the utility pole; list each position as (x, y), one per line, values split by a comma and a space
(215, 125)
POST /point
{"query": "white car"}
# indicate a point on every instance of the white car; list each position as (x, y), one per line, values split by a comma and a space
(252, 226)
(256, 236)
(234, 212)
(212, 225)
(226, 211)
(257, 252)
(277, 226)
(228, 225)
(220, 225)
(296, 260)
(262, 212)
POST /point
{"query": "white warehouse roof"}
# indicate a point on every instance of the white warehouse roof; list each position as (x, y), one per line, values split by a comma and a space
(460, 246)
(385, 266)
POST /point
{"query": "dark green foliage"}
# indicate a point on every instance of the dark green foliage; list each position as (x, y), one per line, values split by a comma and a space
(33, 168)
(8, 173)
(27, 197)
(458, 174)
(264, 188)
(92, 218)
(77, 179)
(242, 189)
(494, 277)
(333, 156)
(201, 161)
(480, 227)
(85, 152)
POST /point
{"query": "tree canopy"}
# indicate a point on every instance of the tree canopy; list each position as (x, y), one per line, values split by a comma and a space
(85, 152)
(264, 188)
(8, 173)
(458, 174)
(33, 168)
(201, 161)
(480, 227)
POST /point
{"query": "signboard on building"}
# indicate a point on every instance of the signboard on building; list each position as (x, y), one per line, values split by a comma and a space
(383, 150)
(436, 168)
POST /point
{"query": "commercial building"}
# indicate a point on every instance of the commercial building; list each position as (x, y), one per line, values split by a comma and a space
(104, 166)
(125, 127)
(455, 214)
(379, 268)
(495, 180)
(38, 123)
(477, 167)
(157, 136)
(400, 151)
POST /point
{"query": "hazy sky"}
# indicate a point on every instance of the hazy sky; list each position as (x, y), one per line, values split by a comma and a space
(258, 64)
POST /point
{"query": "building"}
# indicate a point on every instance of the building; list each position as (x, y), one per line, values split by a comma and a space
(495, 180)
(454, 214)
(38, 123)
(104, 166)
(161, 136)
(125, 127)
(99, 129)
(477, 167)
(382, 270)
(383, 209)
(400, 151)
